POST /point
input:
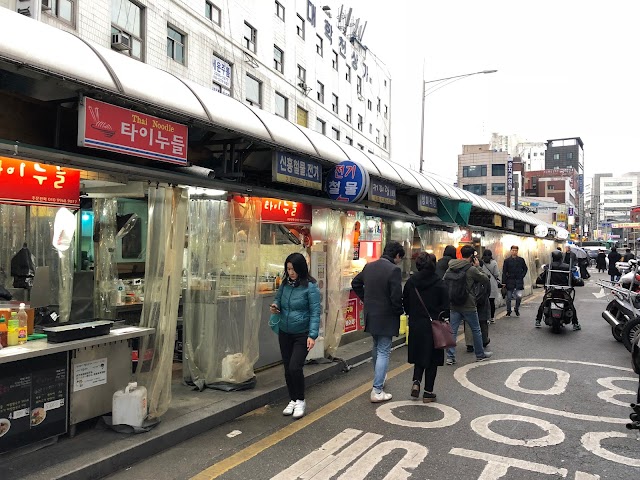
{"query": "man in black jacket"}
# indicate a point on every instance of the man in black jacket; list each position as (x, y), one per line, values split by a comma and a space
(379, 286)
(514, 269)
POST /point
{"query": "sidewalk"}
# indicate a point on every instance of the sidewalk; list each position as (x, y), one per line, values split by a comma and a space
(97, 452)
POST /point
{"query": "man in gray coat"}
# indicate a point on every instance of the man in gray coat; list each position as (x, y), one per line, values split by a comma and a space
(379, 286)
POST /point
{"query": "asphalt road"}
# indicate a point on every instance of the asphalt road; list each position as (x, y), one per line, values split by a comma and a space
(545, 406)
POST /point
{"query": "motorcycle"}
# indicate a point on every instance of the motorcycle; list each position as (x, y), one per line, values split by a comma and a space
(558, 300)
(623, 311)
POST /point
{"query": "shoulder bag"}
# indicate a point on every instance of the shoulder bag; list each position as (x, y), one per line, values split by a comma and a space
(442, 336)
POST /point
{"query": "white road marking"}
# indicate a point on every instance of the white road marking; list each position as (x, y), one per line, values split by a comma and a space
(586, 476)
(416, 453)
(451, 415)
(613, 390)
(497, 466)
(591, 441)
(460, 375)
(560, 385)
(554, 436)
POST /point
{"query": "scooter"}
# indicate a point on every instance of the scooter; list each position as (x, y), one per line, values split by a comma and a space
(558, 300)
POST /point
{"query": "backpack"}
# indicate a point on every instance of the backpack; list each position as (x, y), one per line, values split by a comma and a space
(456, 282)
(480, 292)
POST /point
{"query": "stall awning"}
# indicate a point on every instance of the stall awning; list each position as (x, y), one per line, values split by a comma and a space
(455, 211)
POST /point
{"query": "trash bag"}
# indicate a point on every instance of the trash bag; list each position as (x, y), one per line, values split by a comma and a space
(23, 268)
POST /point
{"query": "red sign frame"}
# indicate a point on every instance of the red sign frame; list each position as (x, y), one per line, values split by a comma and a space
(117, 129)
(30, 183)
(285, 212)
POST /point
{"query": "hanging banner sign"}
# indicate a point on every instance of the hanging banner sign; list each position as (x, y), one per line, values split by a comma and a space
(285, 212)
(289, 168)
(581, 183)
(382, 192)
(510, 174)
(626, 225)
(29, 183)
(497, 220)
(427, 203)
(348, 182)
(108, 127)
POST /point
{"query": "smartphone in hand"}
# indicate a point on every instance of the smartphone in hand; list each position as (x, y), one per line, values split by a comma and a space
(275, 308)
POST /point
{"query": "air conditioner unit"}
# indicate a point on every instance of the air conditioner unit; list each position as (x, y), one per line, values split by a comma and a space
(46, 5)
(302, 85)
(120, 42)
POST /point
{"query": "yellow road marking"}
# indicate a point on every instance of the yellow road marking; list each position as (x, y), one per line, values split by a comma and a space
(217, 469)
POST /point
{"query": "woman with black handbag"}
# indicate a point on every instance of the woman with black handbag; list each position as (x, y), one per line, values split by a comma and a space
(425, 298)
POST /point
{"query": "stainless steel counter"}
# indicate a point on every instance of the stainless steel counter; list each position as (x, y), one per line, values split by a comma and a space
(39, 348)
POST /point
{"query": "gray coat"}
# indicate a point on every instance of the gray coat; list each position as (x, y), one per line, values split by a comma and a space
(493, 271)
(379, 286)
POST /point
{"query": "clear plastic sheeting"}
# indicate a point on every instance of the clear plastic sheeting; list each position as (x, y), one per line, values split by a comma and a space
(222, 305)
(12, 236)
(105, 270)
(163, 280)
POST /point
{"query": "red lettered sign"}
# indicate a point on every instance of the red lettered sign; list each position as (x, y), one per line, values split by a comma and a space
(108, 127)
(29, 183)
(283, 211)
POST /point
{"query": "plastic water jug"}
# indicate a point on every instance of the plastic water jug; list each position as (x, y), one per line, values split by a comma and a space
(129, 406)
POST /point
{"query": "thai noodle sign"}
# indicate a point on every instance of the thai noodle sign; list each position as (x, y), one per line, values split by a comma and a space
(108, 127)
(29, 183)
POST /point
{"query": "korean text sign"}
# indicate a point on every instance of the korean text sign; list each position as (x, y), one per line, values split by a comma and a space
(427, 203)
(510, 174)
(292, 169)
(108, 127)
(286, 212)
(29, 183)
(348, 182)
(382, 192)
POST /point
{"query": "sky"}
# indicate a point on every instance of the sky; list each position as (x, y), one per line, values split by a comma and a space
(565, 68)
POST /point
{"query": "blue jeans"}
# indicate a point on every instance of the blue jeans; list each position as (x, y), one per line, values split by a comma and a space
(380, 353)
(517, 294)
(471, 318)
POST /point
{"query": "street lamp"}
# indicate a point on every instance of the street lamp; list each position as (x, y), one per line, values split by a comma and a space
(425, 93)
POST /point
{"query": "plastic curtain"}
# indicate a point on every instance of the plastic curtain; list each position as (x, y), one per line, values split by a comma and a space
(12, 235)
(339, 235)
(65, 274)
(106, 273)
(163, 280)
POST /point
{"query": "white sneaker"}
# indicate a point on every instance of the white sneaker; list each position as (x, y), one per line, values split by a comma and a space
(380, 397)
(300, 406)
(288, 410)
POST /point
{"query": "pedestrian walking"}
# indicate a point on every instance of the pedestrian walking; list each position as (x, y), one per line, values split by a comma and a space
(297, 304)
(490, 267)
(601, 261)
(379, 286)
(481, 292)
(628, 255)
(514, 269)
(425, 298)
(443, 264)
(460, 279)
(614, 257)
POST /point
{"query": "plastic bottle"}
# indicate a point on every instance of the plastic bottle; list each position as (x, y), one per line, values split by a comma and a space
(129, 406)
(120, 288)
(22, 325)
(12, 330)
(3, 331)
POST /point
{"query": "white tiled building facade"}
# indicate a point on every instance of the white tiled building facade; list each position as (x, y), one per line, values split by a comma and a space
(288, 57)
(617, 196)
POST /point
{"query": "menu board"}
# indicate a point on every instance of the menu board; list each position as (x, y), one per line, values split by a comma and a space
(33, 400)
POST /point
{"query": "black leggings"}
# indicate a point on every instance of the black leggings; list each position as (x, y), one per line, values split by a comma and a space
(293, 348)
(429, 372)
(492, 303)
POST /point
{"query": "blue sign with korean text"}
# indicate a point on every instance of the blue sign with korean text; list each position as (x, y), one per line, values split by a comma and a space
(295, 170)
(382, 192)
(510, 174)
(348, 182)
(581, 183)
(427, 203)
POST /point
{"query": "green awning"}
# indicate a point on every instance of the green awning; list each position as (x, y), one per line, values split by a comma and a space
(454, 211)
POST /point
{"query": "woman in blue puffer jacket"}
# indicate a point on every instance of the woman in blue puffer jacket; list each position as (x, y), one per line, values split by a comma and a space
(298, 303)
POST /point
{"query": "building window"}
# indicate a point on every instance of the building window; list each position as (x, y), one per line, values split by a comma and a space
(556, 156)
(334, 61)
(302, 117)
(349, 113)
(497, 189)
(569, 155)
(551, 187)
(320, 92)
(368, 104)
(253, 91)
(384, 141)
(176, 45)
(127, 21)
(213, 13)
(250, 37)
(335, 133)
(302, 74)
(498, 169)
(334, 103)
(347, 75)
(319, 46)
(359, 122)
(300, 27)
(62, 9)
(280, 11)
(370, 128)
(359, 85)
(474, 171)
(477, 188)
(361, 147)
(282, 106)
(348, 140)
(378, 107)
(377, 136)
(321, 126)
(385, 82)
(386, 111)
(278, 59)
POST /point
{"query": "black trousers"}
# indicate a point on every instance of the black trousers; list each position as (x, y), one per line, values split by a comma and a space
(492, 304)
(293, 348)
(429, 372)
